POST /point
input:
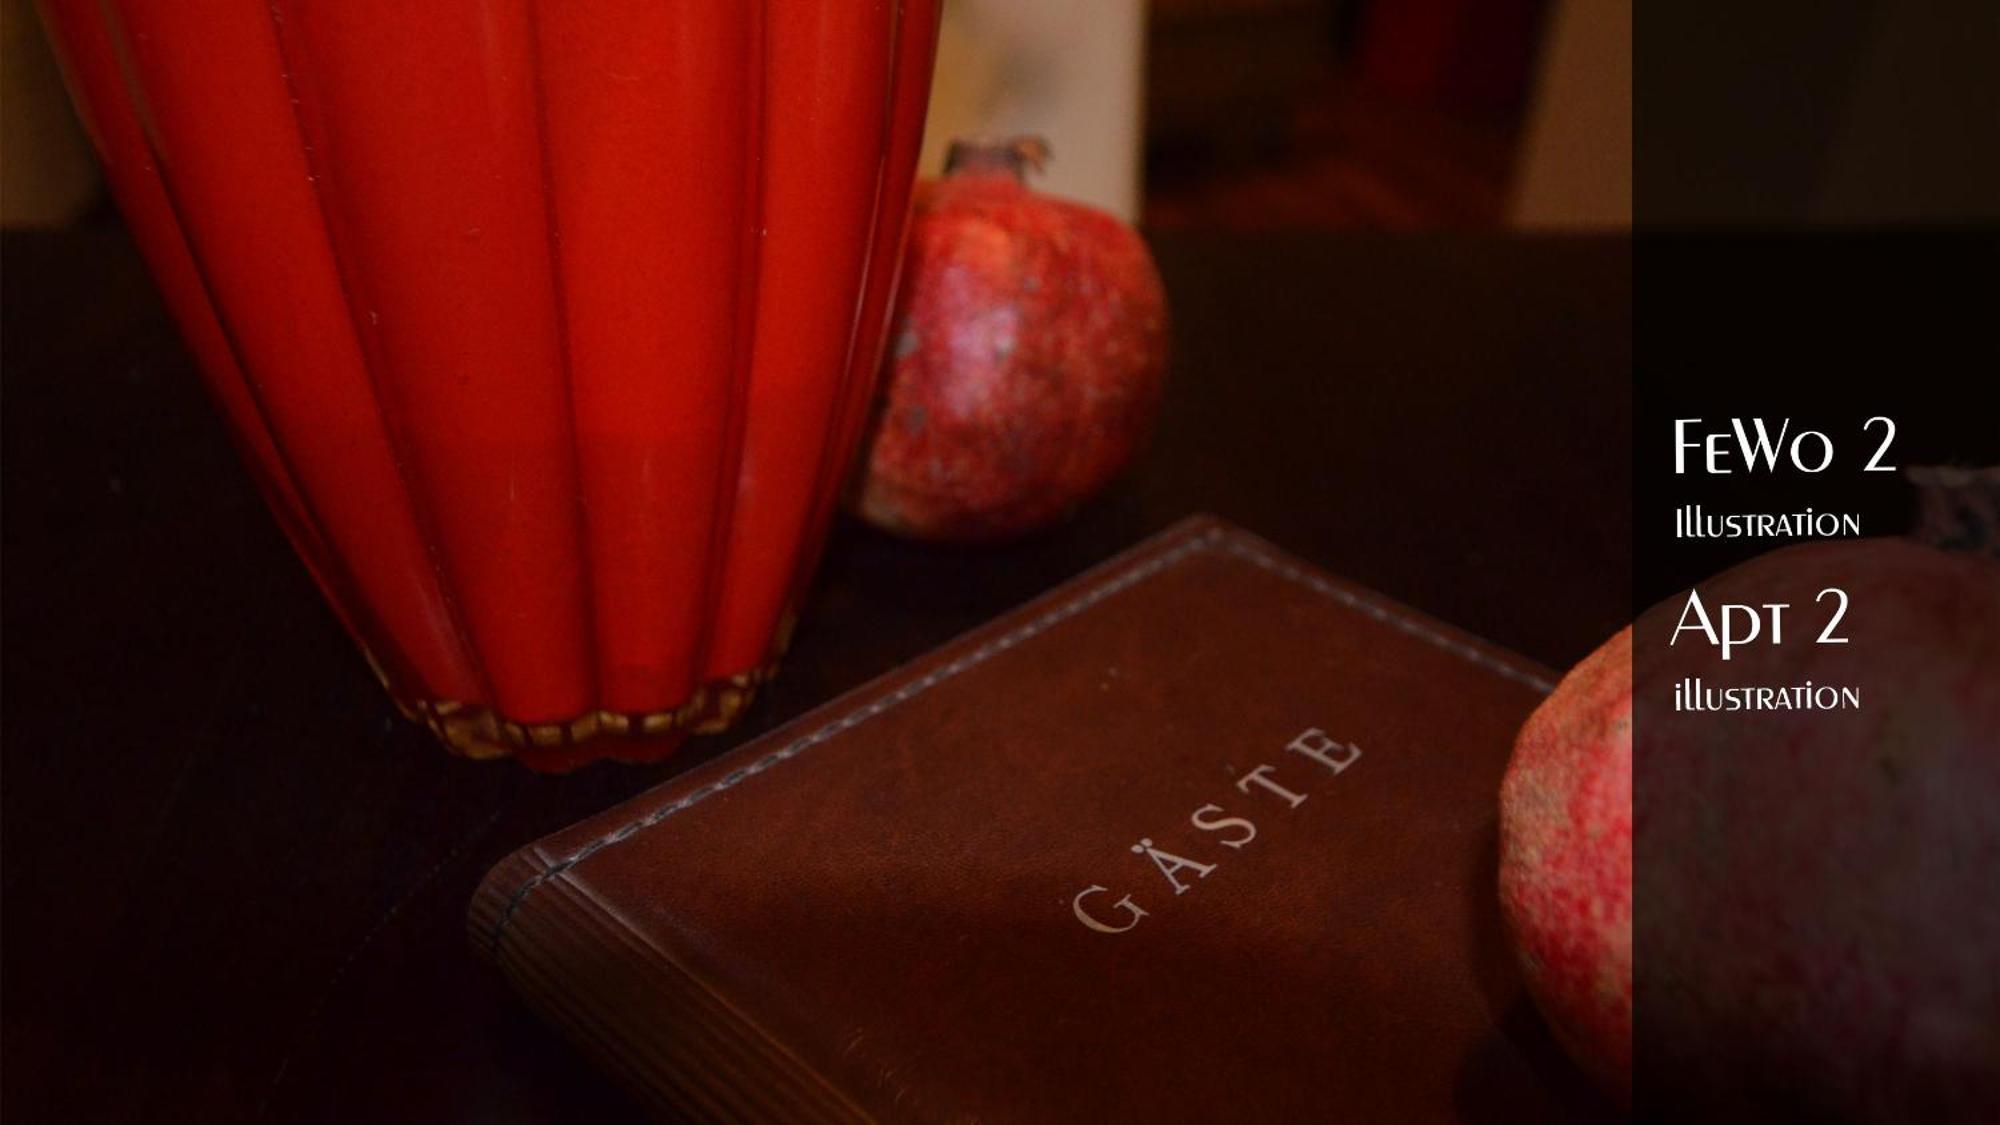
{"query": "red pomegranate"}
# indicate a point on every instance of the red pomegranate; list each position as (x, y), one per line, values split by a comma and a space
(1566, 860)
(1819, 890)
(1026, 358)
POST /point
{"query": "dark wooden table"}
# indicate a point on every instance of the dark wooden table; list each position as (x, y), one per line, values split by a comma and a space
(235, 881)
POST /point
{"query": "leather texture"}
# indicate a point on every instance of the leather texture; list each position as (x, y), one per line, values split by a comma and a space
(873, 912)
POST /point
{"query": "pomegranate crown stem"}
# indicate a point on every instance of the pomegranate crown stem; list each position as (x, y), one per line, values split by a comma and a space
(1957, 509)
(1015, 156)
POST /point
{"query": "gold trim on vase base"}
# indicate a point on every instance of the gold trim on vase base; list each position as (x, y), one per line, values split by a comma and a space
(480, 733)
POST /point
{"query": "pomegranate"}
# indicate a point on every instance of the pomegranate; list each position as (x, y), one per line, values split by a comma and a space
(1820, 888)
(1026, 360)
(1566, 861)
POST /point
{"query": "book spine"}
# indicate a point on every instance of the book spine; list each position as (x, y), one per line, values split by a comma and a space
(630, 1006)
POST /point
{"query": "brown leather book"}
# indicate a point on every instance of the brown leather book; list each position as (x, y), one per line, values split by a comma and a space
(1203, 835)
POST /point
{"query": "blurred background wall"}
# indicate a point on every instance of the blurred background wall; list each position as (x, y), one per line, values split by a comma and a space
(1574, 168)
(1396, 114)
(1377, 114)
(1067, 71)
(47, 174)
(1402, 114)
(1866, 113)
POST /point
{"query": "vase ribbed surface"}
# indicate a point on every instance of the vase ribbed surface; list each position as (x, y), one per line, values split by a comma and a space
(547, 328)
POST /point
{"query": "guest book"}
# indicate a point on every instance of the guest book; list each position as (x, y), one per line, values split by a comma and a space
(1203, 835)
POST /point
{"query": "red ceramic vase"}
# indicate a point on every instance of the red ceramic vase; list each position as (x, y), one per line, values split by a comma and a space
(546, 326)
